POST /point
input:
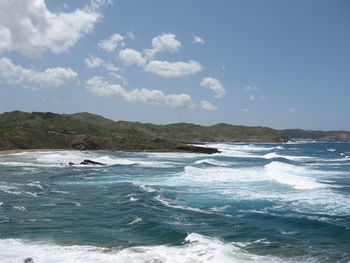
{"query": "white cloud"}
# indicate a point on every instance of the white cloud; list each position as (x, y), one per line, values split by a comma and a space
(30, 28)
(99, 87)
(130, 57)
(110, 67)
(94, 62)
(97, 4)
(215, 85)
(166, 69)
(207, 105)
(27, 78)
(292, 109)
(163, 43)
(244, 110)
(197, 40)
(111, 43)
(263, 98)
(173, 69)
(252, 97)
(250, 88)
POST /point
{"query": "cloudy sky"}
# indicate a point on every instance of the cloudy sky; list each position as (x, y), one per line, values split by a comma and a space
(282, 64)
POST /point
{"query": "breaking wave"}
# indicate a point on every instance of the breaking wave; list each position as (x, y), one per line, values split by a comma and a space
(195, 249)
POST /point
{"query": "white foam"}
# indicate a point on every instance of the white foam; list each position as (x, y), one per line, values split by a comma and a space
(5, 186)
(246, 244)
(291, 175)
(291, 142)
(111, 160)
(345, 158)
(63, 158)
(36, 184)
(21, 193)
(20, 208)
(284, 232)
(212, 161)
(194, 209)
(277, 181)
(272, 155)
(332, 203)
(145, 188)
(331, 150)
(136, 220)
(288, 157)
(297, 177)
(77, 157)
(172, 155)
(196, 249)
(24, 164)
(14, 189)
(237, 150)
(250, 151)
(221, 174)
(251, 147)
(219, 209)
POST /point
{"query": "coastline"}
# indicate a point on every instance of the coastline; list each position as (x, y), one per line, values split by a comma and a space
(4, 152)
(182, 148)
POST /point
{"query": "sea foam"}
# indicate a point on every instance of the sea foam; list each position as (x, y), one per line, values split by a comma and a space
(291, 175)
(195, 249)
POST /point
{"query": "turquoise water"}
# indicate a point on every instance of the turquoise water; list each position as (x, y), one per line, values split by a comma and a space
(250, 203)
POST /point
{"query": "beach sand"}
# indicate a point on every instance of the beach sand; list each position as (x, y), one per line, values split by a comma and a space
(31, 150)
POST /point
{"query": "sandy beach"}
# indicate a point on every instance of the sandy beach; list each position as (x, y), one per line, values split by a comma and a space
(31, 150)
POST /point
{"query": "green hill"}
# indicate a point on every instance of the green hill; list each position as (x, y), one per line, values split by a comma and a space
(22, 130)
(188, 132)
(298, 134)
(85, 131)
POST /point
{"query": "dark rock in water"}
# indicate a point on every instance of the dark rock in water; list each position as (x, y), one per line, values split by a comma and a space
(197, 149)
(89, 162)
(28, 260)
(70, 163)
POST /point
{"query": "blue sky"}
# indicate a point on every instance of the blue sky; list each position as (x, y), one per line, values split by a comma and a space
(276, 63)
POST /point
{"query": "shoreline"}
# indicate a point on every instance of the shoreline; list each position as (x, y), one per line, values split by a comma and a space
(4, 152)
(184, 149)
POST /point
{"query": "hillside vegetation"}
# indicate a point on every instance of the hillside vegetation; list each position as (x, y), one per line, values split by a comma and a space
(85, 131)
(298, 134)
(188, 132)
(22, 130)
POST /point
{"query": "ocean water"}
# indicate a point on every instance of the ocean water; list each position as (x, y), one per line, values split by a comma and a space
(250, 203)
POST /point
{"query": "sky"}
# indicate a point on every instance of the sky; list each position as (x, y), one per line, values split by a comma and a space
(276, 63)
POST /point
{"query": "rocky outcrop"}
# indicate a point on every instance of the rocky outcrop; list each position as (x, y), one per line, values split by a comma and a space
(89, 162)
(197, 149)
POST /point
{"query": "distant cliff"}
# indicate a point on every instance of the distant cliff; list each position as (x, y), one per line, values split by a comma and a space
(85, 131)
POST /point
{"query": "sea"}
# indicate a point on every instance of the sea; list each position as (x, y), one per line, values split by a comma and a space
(250, 203)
